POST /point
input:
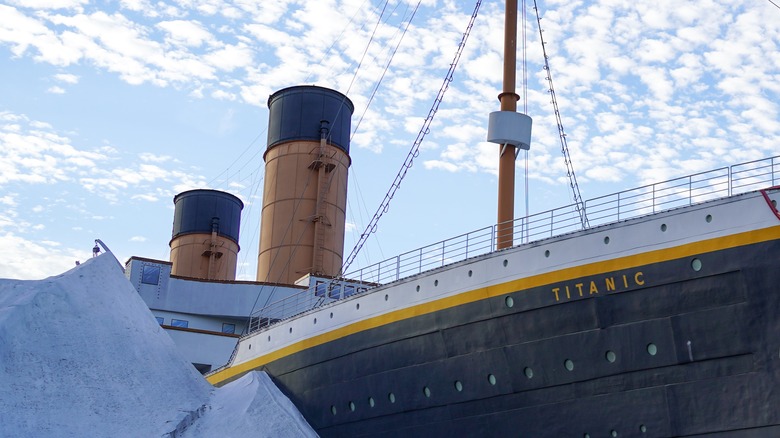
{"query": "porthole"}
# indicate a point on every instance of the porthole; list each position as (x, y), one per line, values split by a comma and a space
(357, 306)
(774, 203)
(250, 346)
(708, 218)
(611, 356)
(436, 282)
(663, 228)
(509, 301)
(333, 409)
(427, 391)
(371, 401)
(613, 433)
(391, 397)
(387, 297)
(587, 435)
(528, 372)
(491, 379)
(269, 338)
(569, 364)
(418, 288)
(315, 320)
(458, 386)
(606, 240)
(547, 253)
(331, 315)
(470, 273)
(506, 262)
(290, 329)
(643, 428)
(652, 350)
(696, 265)
(352, 406)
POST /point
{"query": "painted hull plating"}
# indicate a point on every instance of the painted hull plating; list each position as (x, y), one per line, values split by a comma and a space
(624, 330)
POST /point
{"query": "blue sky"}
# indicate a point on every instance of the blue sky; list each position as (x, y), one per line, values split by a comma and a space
(108, 109)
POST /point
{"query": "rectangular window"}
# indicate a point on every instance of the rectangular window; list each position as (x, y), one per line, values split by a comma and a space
(228, 328)
(319, 289)
(349, 290)
(334, 292)
(159, 319)
(180, 323)
(150, 275)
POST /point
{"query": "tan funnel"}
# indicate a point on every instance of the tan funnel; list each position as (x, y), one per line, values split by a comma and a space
(305, 193)
(205, 235)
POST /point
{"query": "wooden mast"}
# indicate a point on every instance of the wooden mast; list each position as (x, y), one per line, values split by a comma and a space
(506, 164)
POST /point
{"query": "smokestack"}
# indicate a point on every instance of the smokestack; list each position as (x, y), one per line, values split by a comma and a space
(204, 241)
(305, 192)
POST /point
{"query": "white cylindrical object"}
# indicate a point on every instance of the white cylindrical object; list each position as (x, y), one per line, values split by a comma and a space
(509, 127)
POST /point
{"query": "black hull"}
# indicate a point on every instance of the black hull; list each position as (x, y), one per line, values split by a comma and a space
(715, 370)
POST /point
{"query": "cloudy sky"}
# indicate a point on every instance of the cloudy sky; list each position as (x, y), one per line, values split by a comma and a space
(108, 109)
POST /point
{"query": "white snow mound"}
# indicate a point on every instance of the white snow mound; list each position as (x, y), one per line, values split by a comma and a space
(82, 355)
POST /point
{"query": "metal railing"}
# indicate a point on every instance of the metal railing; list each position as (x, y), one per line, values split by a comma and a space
(678, 192)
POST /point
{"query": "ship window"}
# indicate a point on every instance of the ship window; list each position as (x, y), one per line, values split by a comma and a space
(506, 262)
(228, 328)
(708, 218)
(150, 275)
(458, 386)
(587, 435)
(427, 391)
(269, 338)
(387, 297)
(352, 406)
(606, 240)
(663, 227)
(696, 265)
(290, 329)
(371, 401)
(331, 315)
(528, 372)
(611, 356)
(391, 397)
(180, 323)
(643, 428)
(436, 283)
(418, 288)
(492, 379)
(509, 301)
(334, 292)
(319, 289)
(470, 273)
(547, 253)
(613, 433)
(569, 364)
(333, 409)
(357, 306)
(349, 291)
(315, 320)
(159, 319)
(652, 350)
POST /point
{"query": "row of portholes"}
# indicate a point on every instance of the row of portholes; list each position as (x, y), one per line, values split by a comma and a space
(458, 385)
(614, 433)
(610, 356)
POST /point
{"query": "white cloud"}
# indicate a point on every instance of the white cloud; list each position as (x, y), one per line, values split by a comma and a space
(67, 78)
(138, 239)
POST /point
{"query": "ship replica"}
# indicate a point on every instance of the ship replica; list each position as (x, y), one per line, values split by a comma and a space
(657, 317)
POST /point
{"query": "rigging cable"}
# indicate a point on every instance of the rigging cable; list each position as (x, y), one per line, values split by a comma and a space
(524, 229)
(578, 204)
(415, 150)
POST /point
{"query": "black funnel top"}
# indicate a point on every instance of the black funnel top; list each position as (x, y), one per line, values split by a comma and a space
(199, 211)
(296, 113)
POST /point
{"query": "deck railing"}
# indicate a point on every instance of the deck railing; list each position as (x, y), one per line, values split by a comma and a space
(678, 192)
